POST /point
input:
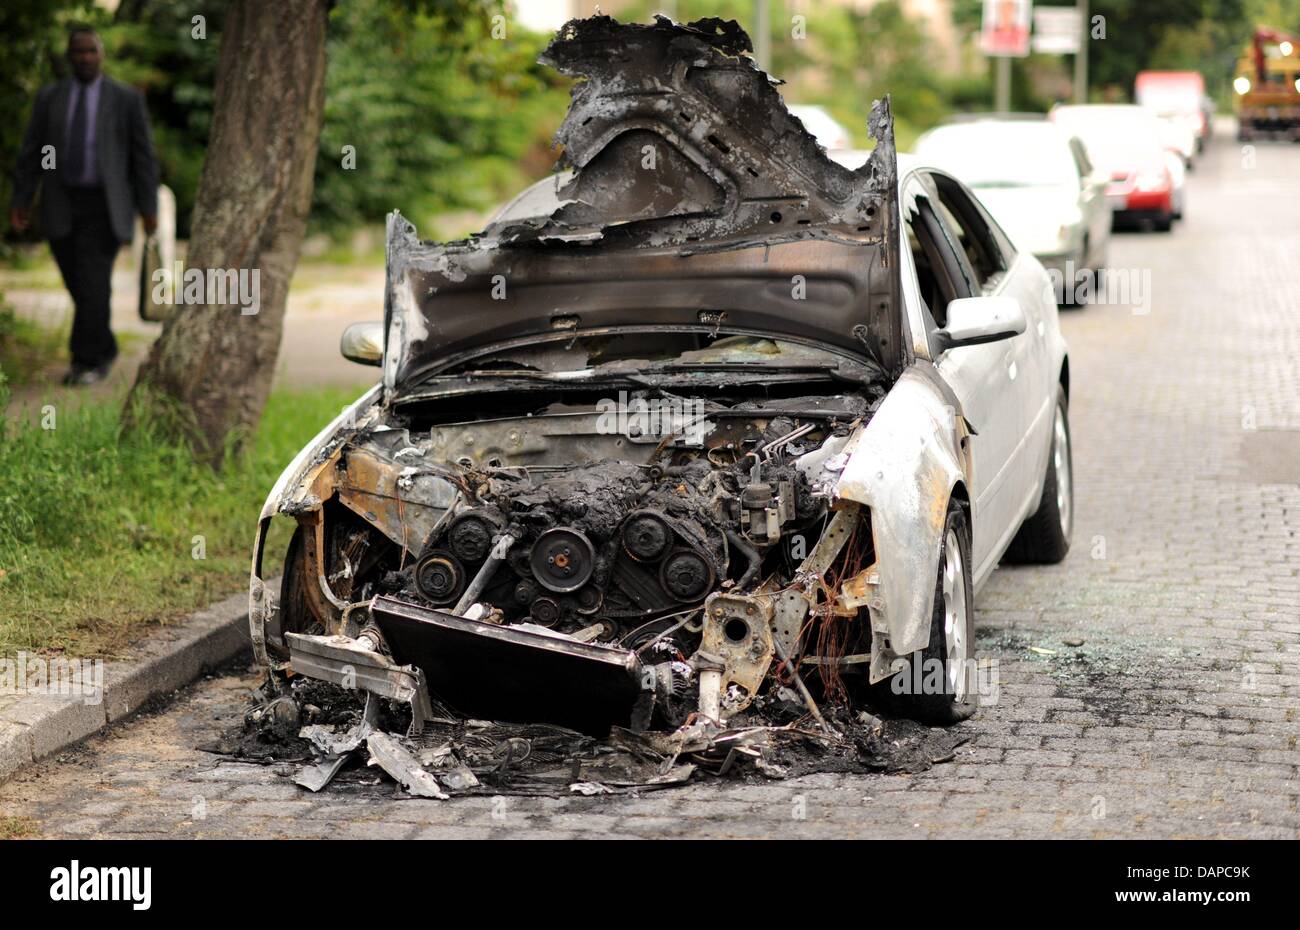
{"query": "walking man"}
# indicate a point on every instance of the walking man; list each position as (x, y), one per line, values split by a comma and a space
(89, 149)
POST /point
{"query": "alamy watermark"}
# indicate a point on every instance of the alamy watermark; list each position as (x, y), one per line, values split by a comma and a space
(214, 287)
(56, 676)
(1114, 286)
(929, 676)
(653, 418)
(77, 882)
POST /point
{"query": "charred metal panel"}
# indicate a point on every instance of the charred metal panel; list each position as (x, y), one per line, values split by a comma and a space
(513, 673)
(386, 481)
(692, 188)
(347, 662)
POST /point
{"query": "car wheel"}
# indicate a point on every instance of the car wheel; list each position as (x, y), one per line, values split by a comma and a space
(295, 614)
(936, 684)
(1164, 223)
(1099, 269)
(1045, 537)
(1096, 267)
(1081, 270)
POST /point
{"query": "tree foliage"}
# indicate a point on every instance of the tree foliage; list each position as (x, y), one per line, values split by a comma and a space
(426, 110)
(842, 57)
(32, 40)
(441, 114)
(169, 49)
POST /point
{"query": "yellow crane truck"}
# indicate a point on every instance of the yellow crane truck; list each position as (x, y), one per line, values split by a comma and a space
(1267, 87)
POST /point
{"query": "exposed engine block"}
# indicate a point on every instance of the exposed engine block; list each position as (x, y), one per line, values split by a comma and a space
(615, 540)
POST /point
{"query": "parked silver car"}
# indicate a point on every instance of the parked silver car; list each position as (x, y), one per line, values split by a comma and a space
(706, 420)
(1039, 183)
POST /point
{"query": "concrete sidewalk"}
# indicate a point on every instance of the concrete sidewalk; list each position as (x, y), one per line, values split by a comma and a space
(40, 720)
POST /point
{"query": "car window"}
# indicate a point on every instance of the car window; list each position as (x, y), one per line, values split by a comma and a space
(972, 233)
(942, 274)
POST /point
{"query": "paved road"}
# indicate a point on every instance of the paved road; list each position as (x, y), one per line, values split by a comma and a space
(1177, 717)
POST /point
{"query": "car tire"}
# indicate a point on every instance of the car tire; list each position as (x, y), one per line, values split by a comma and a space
(1164, 223)
(1044, 538)
(295, 612)
(1097, 265)
(1099, 269)
(952, 640)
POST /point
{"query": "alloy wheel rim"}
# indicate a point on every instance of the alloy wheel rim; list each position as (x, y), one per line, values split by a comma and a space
(954, 616)
(1061, 461)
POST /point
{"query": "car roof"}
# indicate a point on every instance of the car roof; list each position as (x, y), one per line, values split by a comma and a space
(1042, 125)
(1098, 108)
(994, 117)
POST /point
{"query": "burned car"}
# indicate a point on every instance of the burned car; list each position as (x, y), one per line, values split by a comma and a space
(705, 416)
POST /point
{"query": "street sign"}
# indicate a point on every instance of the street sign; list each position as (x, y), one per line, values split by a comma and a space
(1057, 30)
(1006, 28)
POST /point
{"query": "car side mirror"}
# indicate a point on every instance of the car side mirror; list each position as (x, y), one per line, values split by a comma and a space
(973, 321)
(363, 343)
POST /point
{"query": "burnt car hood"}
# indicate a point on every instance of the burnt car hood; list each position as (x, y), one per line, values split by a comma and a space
(692, 200)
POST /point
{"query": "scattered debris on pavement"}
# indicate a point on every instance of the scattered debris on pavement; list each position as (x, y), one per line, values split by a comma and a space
(339, 731)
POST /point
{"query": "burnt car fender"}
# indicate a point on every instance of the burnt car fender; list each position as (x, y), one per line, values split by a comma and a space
(292, 494)
(905, 465)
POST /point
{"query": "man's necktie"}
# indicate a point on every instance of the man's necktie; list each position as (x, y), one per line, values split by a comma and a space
(75, 157)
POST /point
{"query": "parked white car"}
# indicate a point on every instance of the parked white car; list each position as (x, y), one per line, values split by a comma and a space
(659, 436)
(826, 129)
(1040, 185)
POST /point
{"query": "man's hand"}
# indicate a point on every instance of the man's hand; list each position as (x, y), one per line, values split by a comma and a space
(19, 218)
(150, 223)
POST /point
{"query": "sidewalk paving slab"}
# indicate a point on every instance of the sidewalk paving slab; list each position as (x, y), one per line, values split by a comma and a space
(33, 726)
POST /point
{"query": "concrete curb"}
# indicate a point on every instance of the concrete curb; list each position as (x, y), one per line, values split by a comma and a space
(35, 725)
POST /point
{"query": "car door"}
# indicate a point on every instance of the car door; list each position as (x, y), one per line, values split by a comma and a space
(1093, 204)
(1031, 375)
(982, 376)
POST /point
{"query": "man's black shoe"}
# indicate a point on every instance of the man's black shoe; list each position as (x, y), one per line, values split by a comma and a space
(82, 375)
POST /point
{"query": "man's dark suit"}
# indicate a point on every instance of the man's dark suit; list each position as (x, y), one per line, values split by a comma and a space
(87, 224)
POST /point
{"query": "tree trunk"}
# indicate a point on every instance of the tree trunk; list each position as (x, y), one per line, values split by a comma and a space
(208, 375)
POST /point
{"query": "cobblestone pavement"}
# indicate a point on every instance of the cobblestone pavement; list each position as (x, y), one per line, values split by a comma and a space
(1177, 717)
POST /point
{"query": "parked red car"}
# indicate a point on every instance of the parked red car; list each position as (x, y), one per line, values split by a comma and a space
(1124, 143)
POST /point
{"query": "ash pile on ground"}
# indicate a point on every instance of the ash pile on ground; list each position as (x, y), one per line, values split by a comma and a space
(323, 727)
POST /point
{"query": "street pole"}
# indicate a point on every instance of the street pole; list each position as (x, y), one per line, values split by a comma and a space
(763, 34)
(1002, 93)
(1081, 57)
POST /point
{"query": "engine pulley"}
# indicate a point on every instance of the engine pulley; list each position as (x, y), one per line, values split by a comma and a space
(562, 559)
(686, 575)
(646, 537)
(440, 577)
(471, 534)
